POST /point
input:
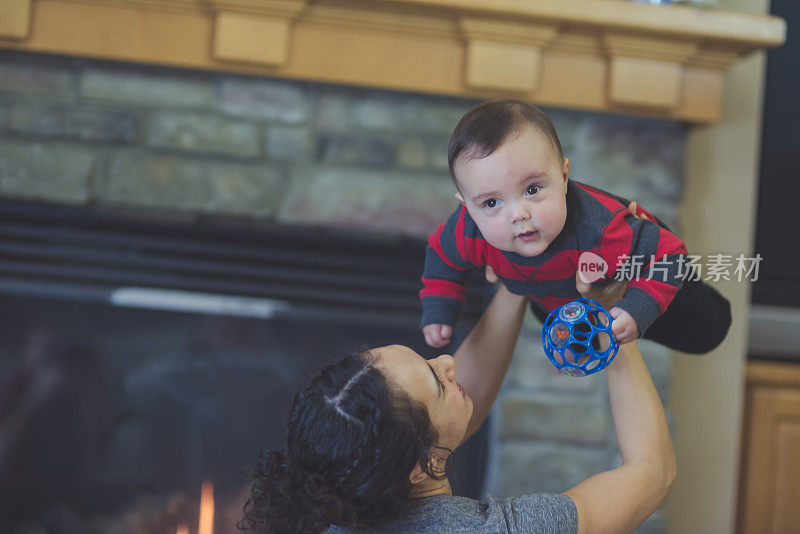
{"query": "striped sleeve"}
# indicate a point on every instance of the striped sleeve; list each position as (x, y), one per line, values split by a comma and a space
(445, 273)
(650, 257)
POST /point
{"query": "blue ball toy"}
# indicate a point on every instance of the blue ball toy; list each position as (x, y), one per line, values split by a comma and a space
(573, 335)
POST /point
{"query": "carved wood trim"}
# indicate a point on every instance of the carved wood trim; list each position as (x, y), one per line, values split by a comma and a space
(16, 19)
(254, 32)
(608, 55)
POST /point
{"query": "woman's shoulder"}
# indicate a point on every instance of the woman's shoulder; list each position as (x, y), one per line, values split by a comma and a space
(542, 512)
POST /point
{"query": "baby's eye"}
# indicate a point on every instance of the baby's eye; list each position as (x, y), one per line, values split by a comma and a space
(490, 203)
(532, 190)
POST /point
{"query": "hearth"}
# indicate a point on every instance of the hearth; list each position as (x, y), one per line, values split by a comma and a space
(140, 359)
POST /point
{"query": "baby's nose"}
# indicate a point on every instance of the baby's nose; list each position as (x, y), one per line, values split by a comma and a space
(521, 213)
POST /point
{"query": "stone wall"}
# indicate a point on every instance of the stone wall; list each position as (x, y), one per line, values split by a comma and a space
(163, 141)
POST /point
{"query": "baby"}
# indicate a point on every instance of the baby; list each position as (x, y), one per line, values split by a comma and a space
(521, 215)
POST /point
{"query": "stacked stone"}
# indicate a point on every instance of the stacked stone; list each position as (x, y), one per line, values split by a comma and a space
(86, 132)
(163, 141)
(199, 143)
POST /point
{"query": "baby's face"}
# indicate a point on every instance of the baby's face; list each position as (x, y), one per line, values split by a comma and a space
(517, 194)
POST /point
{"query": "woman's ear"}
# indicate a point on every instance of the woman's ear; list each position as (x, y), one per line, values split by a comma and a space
(417, 475)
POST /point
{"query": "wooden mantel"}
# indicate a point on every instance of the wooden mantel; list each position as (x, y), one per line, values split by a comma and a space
(608, 55)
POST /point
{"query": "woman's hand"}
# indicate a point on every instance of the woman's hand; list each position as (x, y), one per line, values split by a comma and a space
(624, 327)
(607, 295)
(490, 276)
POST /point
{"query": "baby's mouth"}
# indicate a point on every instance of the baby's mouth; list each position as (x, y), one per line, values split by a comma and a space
(526, 236)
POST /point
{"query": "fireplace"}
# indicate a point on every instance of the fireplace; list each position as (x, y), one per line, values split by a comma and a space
(140, 359)
(222, 208)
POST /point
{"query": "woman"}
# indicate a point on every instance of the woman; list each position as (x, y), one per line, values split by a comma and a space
(368, 440)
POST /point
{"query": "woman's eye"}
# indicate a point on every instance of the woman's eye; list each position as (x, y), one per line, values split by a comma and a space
(490, 203)
(440, 380)
(532, 190)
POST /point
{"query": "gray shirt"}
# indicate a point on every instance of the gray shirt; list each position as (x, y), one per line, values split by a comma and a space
(548, 513)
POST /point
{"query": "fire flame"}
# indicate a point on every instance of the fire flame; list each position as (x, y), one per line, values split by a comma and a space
(206, 508)
(206, 522)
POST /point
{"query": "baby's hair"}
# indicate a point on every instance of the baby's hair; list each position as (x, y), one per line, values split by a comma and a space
(486, 126)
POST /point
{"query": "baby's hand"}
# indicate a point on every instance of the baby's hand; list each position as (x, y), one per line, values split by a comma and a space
(623, 326)
(437, 335)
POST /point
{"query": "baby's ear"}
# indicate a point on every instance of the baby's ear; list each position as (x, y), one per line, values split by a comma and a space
(459, 197)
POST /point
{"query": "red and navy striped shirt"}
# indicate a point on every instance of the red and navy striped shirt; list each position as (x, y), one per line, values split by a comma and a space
(597, 222)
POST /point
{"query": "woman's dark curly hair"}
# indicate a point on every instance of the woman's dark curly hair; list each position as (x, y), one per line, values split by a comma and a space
(352, 442)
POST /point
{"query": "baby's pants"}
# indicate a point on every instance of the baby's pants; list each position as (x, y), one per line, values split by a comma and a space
(696, 321)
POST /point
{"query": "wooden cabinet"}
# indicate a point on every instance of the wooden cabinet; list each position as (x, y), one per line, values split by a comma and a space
(769, 491)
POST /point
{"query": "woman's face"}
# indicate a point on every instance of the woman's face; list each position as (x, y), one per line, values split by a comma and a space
(433, 383)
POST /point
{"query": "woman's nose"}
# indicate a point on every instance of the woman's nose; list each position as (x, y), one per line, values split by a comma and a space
(447, 366)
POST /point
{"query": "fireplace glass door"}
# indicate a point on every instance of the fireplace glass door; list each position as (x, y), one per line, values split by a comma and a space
(140, 362)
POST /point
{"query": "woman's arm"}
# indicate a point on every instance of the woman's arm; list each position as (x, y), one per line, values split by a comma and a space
(482, 359)
(621, 499)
